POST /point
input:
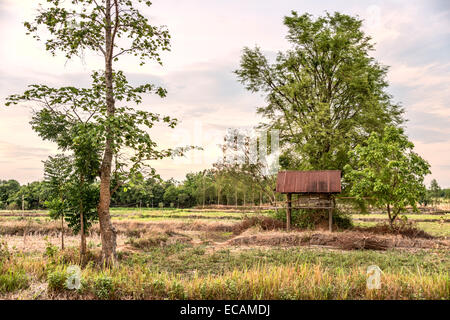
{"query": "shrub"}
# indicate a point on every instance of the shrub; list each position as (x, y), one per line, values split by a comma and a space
(57, 280)
(4, 251)
(103, 287)
(312, 219)
(51, 250)
(12, 281)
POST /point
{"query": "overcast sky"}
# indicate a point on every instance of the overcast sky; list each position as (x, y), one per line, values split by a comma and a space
(412, 37)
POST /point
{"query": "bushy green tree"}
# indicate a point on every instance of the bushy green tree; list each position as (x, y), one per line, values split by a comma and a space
(57, 173)
(325, 95)
(71, 180)
(171, 195)
(33, 195)
(387, 170)
(8, 188)
(435, 191)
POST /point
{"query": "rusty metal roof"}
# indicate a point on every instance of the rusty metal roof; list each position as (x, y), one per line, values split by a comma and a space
(321, 181)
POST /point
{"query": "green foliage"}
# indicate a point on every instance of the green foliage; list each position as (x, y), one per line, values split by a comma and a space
(51, 250)
(104, 287)
(13, 281)
(4, 251)
(171, 195)
(70, 181)
(81, 197)
(387, 171)
(435, 189)
(71, 116)
(32, 194)
(176, 291)
(97, 124)
(7, 190)
(311, 219)
(435, 192)
(74, 29)
(56, 208)
(57, 172)
(325, 95)
(57, 280)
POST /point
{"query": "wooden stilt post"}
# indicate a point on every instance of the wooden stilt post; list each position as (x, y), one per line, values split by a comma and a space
(330, 215)
(330, 220)
(288, 211)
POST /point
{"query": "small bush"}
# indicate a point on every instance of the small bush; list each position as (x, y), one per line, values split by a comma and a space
(57, 280)
(312, 219)
(51, 250)
(12, 281)
(104, 287)
(4, 251)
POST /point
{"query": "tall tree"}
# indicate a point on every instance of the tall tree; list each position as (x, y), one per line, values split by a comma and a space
(112, 28)
(325, 95)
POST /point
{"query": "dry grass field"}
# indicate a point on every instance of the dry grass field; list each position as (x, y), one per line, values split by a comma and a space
(195, 254)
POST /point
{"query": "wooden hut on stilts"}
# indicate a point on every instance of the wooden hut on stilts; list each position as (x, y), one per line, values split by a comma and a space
(315, 190)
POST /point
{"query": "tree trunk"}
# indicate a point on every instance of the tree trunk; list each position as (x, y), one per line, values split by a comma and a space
(83, 238)
(391, 221)
(62, 232)
(108, 234)
(288, 211)
(204, 193)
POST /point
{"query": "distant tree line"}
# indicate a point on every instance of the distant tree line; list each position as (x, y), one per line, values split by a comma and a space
(208, 187)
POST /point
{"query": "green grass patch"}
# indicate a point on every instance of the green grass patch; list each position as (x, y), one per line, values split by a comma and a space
(13, 280)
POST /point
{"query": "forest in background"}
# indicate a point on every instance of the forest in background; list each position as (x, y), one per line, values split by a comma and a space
(208, 187)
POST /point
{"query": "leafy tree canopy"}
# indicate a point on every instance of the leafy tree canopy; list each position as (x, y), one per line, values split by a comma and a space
(387, 171)
(325, 95)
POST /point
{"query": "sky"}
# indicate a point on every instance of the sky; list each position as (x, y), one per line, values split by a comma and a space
(411, 37)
